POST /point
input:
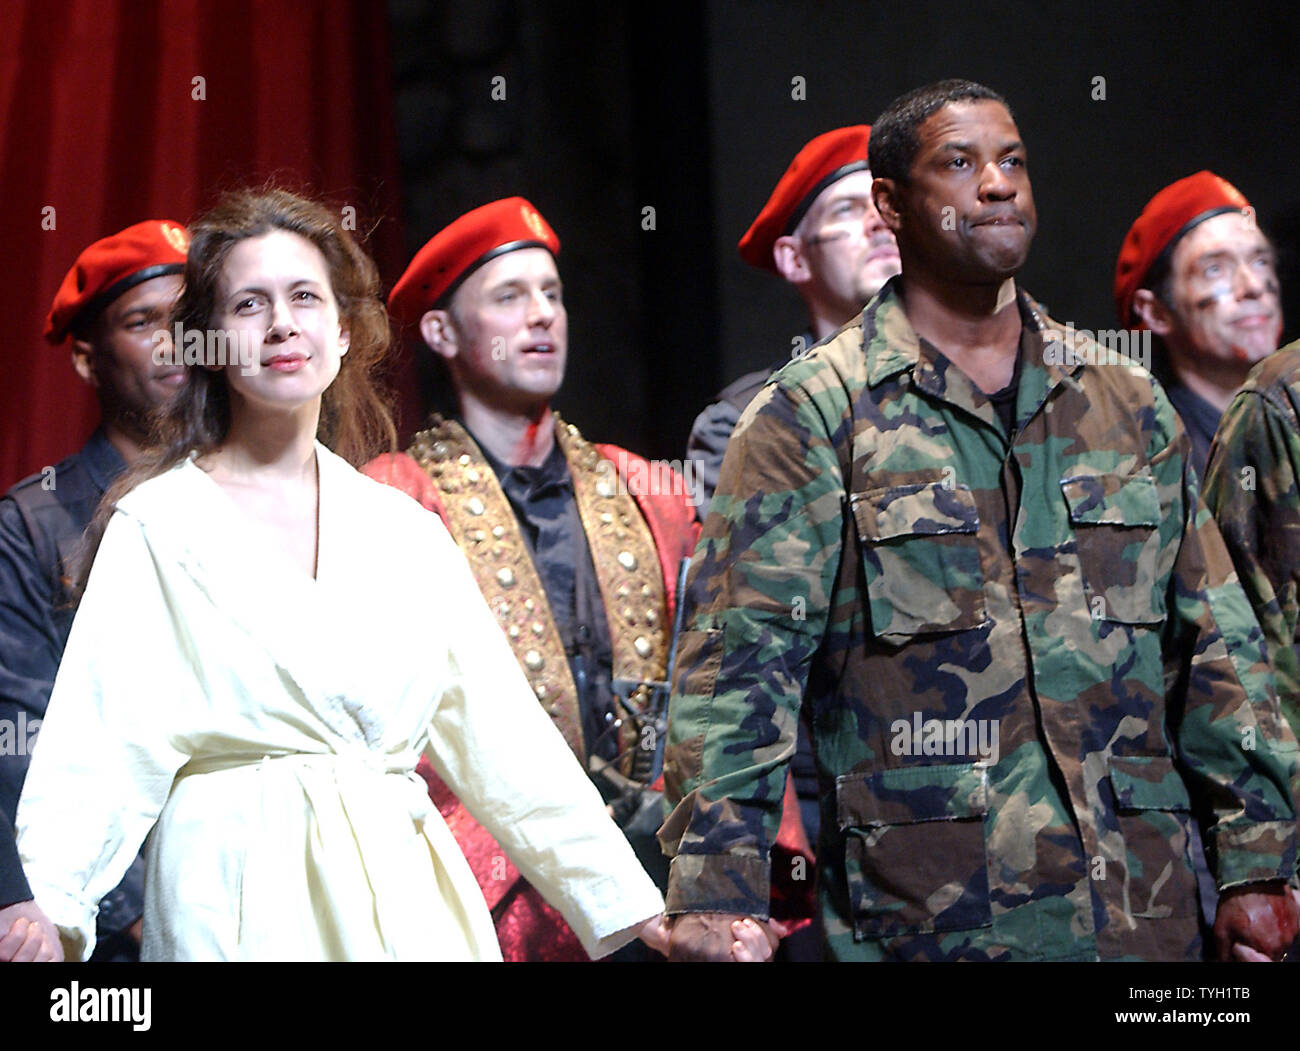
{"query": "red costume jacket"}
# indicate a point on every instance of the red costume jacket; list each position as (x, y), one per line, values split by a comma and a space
(527, 927)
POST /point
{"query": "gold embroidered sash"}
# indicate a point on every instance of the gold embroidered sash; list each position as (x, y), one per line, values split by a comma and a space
(482, 522)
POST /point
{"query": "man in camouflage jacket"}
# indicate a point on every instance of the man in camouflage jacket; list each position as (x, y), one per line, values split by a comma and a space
(1251, 487)
(1029, 664)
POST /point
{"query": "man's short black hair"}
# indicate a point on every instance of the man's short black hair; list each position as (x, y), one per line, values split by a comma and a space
(894, 139)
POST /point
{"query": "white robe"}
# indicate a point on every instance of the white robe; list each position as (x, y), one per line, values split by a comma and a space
(266, 727)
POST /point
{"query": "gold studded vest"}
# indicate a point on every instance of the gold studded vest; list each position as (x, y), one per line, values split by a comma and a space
(480, 518)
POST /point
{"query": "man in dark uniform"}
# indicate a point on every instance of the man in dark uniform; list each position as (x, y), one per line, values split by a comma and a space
(820, 232)
(1197, 271)
(112, 308)
(26, 933)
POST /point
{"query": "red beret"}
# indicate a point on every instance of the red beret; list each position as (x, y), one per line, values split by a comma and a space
(1168, 215)
(110, 267)
(458, 250)
(823, 161)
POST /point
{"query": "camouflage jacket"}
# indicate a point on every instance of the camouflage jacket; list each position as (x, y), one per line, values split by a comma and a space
(1029, 660)
(1252, 488)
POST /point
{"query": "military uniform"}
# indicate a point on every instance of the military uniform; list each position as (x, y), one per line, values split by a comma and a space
(42, 519)
(713, 427)
(13, 884)
(882, 550)
(1251, 487)
(705, 448)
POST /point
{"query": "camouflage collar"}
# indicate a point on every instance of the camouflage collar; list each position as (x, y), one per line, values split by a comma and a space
(1050, 354)
(1062, 350)
(888, 339)
(892, 345)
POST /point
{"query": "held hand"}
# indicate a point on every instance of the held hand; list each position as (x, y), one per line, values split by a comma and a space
(1248, 955)
(1256, 922)
(711, 937)
(756, 941)
(28, 936)
(654, 932)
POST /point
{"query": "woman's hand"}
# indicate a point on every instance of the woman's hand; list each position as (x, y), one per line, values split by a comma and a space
(654, 932)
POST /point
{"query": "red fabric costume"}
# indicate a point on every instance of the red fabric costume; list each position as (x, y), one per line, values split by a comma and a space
(527, 927)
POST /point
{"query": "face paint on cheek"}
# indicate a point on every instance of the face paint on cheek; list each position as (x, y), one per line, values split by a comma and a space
(1207, 304)
(821, 239)
(1224, 290)
(1216, 294)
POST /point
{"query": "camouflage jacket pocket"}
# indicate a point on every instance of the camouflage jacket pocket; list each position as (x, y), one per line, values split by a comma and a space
(1152, 811)
(921, 556)
(915, 859)
(1115, 520)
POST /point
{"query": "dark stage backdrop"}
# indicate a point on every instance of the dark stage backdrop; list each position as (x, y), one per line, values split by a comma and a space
(1186, 86)
(603, 110)
(689, 108)
(102, 125)
(595, 112)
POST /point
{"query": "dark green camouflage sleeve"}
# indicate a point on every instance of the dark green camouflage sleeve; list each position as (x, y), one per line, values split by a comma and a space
(1251, 488)
(760, 590)
(1248, 814)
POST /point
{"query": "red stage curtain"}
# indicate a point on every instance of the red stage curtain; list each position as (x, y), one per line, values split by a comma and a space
(101, 121)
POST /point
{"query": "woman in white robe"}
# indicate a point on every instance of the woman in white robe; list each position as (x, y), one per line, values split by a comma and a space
(267, 643)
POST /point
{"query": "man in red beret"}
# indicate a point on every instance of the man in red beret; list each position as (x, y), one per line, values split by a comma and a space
(1197, 271)
(111, 311)
(819, 231)
(576, 546)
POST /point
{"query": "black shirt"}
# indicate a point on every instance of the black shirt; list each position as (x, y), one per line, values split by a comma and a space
(1004, 401)
(1199, 417)
(547, 510)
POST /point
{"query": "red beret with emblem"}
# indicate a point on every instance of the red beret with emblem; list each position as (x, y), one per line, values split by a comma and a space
(458, 250)
(110, 267)
(1168, 215)
(826, 159)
